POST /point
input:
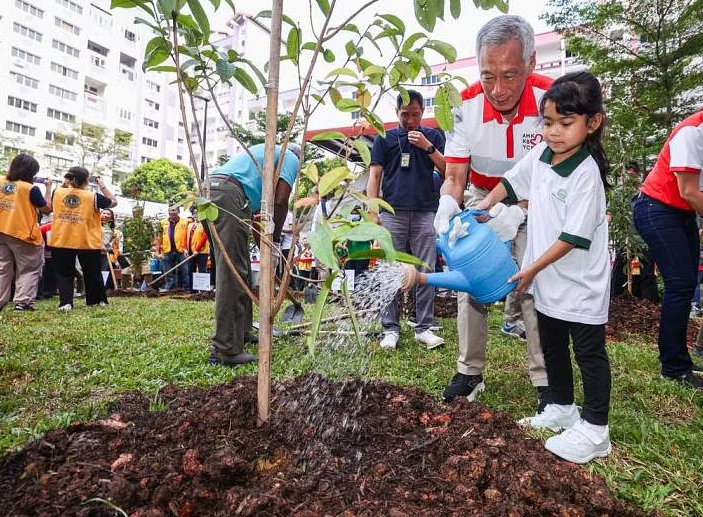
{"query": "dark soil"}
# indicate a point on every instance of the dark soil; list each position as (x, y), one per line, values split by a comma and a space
(331, 449)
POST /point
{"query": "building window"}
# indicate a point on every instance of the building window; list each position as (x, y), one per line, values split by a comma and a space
(26, 56)
(64, 70)
(27, 32)
(51, 136)
(153, 105)
(129, 35)
(125, 114)
(98, 61)
(24, 80)
(98, 49)
(432, 79)
(150, 142)
(68, 27)
(29, 8)
(11, 151)
(429, 102)
(153, 86)
(99, 17)
(63, 93)
(146, 159)
(355, 115)
(58, 161)
(60, 115)
(21, 104)
(20, 128)
(151, 123)
(73, 6)
(66, 49)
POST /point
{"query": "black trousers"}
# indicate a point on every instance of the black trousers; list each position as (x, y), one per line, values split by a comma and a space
(64, 260)
(592, 360)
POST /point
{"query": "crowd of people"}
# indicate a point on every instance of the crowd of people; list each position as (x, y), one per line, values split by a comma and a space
(519, 138)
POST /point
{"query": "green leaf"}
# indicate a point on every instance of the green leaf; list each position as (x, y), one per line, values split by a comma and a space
(310, 45)
(225, 70)
(319, 307)
(167, 7)
(443, 113)
(365, 232)
(163, 68)
(200, 17)
(374, 69)
(410, 41)
(424, 15)
(157, 51)
(347, 105)
(331, 179)
(352, 28)
(342, 71)
(318, 98)
(453, 95)
(394, 20)
(335, 96)
(215, 4)
(231, 5)
(311, 172)
(245, 80)
(329, 135)
(446, 50)
(328, 55)
(455, 8)
(186, 20)
(293, 45)
(148, 23)
(364, 150)
(376, 122)
(321, 244)
(350, 48)
(324, 6)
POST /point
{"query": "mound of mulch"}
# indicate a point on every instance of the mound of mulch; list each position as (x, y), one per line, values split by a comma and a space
(331, 449)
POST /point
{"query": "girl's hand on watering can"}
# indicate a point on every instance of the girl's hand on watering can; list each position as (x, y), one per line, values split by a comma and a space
(524, 279)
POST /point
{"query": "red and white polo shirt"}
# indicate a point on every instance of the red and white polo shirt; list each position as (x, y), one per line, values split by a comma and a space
(682, 153)
(488, 142)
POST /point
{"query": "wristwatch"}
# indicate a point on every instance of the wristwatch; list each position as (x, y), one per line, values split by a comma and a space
(431, 149)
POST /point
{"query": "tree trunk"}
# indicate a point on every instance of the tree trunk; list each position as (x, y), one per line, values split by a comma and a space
(266, 279)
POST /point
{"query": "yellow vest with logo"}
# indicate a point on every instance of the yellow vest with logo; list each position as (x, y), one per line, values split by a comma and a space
(179, 235)
(18, 216)
(76, 223)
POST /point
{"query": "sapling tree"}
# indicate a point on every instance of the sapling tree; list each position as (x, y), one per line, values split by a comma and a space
(183, 46)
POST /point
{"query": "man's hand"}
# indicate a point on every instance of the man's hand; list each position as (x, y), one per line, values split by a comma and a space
(447, 209)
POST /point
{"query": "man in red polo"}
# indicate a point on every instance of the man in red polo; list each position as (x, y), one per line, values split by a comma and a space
(496, 125)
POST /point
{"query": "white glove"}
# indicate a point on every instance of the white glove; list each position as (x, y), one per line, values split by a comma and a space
(447, 209)
(458, 231)
(505, 220)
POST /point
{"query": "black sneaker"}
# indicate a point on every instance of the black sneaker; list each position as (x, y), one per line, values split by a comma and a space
(544, 397)
(24, 307)
(468, 386)
(688, 379)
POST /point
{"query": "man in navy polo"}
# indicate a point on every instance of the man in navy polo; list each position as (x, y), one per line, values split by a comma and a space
(402, 166)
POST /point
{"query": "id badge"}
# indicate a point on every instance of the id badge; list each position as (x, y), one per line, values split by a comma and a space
(405, 160)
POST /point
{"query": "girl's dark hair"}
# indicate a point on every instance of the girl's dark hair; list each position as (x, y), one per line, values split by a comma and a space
(77, 175)
(23, 168)
(579, 93)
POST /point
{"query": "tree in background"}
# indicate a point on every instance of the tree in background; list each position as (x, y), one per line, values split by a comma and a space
(158, 180)
(138, 234)
(97, 148)
(8, 150)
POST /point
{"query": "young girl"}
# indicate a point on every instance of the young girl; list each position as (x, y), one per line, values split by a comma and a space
(566, 264)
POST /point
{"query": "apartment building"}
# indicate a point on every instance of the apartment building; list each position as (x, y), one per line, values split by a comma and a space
(68, 62)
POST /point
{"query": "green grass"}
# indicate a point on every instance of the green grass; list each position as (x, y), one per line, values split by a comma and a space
(56, 368)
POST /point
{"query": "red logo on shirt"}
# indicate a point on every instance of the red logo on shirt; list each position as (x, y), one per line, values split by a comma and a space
(536, 139)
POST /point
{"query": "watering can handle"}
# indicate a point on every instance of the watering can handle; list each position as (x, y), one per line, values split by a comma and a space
(478, 213)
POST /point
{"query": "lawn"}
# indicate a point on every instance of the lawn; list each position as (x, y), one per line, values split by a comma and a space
(57, 368)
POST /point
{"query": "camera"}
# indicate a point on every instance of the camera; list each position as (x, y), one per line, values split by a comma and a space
(38, 179)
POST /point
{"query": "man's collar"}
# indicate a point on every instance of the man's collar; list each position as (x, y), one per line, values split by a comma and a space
(568, 166)
(527, 107)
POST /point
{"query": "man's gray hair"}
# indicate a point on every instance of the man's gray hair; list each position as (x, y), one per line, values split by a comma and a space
(504, 28)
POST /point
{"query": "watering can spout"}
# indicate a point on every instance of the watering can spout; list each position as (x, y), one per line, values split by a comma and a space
(454, 280)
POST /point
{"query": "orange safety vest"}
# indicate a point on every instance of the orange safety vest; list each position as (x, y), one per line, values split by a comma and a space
(76, 223)
(18, 216)
(197, 239)
(179, 235)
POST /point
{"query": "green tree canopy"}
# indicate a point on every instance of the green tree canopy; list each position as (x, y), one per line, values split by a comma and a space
(158, 181)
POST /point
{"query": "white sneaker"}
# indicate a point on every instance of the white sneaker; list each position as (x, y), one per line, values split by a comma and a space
(581, 443)
(429, 339)
(102, 304)
(390, 340)
(555, 417)
(66, 307)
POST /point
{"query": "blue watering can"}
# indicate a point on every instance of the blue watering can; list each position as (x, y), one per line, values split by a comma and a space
(479, 262)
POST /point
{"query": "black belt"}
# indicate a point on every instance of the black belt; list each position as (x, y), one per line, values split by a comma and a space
(227, 178)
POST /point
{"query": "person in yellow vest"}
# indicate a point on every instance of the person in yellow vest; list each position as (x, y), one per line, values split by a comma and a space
(196, 243)
(76, 232)
(113, 242)
(21, 242)
(171, 247)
